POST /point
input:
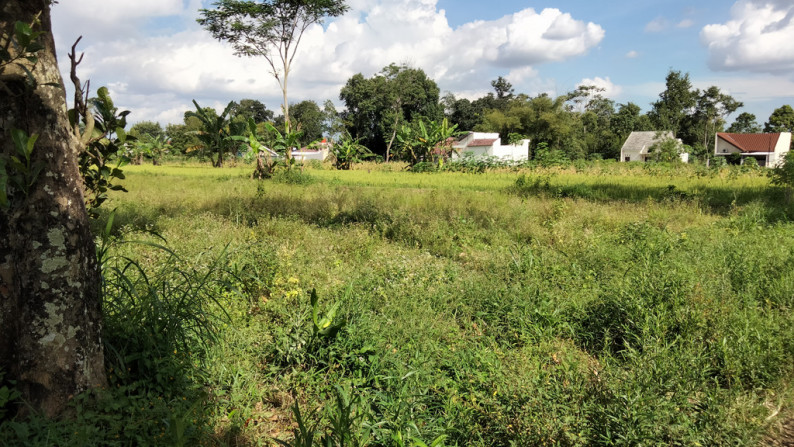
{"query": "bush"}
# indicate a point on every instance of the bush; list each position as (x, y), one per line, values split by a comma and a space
(293, 177)
(547, 157)
(783, 174)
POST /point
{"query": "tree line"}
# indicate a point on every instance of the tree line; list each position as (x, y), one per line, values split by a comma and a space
(581, 124)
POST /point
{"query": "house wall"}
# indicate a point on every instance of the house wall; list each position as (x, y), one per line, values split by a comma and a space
(517, 152)
(632, 156)
(783, 146)
(514, 152)
(479, 151)
(301, 156)
(722, 147)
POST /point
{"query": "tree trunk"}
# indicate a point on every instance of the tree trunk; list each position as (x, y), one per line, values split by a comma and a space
(285, 107)
(50, 308)
(393, 136)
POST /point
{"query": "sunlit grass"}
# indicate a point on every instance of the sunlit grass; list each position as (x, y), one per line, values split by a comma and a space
(606, 308)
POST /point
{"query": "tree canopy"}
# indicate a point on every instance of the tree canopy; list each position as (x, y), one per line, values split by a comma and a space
(272, 29)
(781, 120)
(254, 109)
(745, 123)
(308, 116)
(147, 130)
(376, 107)
(675, 102)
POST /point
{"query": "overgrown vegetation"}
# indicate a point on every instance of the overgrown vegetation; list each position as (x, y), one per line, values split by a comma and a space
(547, 306)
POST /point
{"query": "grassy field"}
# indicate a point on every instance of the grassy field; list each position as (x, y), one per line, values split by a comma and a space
(605, 305)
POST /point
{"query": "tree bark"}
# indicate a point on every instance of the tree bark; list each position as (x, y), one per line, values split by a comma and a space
(50, 305)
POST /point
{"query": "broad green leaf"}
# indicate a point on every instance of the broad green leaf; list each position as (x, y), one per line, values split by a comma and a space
(20, 138)
(23, 34)
(29, 146)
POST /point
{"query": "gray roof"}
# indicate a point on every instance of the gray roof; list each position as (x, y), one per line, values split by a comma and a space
(641, 142)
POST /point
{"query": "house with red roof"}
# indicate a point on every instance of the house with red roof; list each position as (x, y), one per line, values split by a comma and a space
(483, 144)
(767, 149)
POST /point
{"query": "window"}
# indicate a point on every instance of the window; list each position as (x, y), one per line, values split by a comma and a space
(628, 159)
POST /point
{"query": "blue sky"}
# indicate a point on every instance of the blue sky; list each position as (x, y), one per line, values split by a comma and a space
(155, 59)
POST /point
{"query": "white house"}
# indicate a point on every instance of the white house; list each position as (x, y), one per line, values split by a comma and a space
(482, 144)
(767, 148)
(638, 145)
(318, 152)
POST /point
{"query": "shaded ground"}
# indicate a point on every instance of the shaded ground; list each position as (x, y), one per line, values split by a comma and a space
(785, 438)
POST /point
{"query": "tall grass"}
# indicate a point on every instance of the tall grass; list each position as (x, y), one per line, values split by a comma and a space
(594, 306)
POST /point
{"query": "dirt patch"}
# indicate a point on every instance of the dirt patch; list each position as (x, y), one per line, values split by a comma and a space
(784, 437)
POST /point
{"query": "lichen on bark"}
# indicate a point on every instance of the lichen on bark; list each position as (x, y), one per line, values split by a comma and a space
(50, 310)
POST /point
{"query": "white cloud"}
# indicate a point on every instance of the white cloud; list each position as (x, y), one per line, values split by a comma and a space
(686, 23)
(756, 89)
(759, 37)
(103, 20)
(632, 54)
(610, 89)
(656, 25)
(158, 69)
(519, 75)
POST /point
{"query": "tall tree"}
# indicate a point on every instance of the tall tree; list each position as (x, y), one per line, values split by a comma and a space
(271, 28)
(745, 123)
(334, 124)
(504, 89)
(781, 120)
(596, 125)
(711, 108)
(148, 130)
(311, 120)
(461, 112)
(377, 107)
(625, 120)
(675, 103)
(50, 309)
(183, 137)
(251, 108)
(542, 119)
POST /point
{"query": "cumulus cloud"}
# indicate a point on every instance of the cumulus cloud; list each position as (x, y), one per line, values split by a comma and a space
(759, 37)
(159, 58)
(756, 89)
(519, 75)
(610, 90)
(656, 25)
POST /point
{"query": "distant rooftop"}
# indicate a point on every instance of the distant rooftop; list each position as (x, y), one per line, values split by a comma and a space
(487, 142)
(752, 142)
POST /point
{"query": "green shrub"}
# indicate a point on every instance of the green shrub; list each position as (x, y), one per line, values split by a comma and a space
(783, 175)
(293, 177)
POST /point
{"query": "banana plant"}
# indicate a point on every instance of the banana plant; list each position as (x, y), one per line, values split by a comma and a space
(217, 133)
(283, 143)
(348, 151)
(264, 167)
(422, 142)
(153, 148)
